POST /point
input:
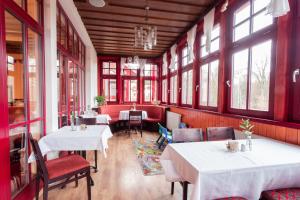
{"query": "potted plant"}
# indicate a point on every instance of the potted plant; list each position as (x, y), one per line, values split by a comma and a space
(100, 100)
(247, 127)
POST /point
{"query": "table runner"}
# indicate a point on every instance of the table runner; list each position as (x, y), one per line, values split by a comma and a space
(216, 173)
(95, 137)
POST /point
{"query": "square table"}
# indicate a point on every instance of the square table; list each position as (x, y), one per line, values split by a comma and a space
(95, 137)
(216, 173)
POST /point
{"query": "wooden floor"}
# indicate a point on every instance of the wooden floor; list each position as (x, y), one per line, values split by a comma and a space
(120, 176)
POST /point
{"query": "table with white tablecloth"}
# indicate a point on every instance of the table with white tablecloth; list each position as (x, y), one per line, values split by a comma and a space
(100, 119)
(95, 137)
(124, 115)
(216, 173)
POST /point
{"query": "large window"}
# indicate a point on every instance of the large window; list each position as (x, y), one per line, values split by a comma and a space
(109, 80)
(109, 68)
(187, 88)
(214, 45)
(173, 89)
(150, 90)
(209, 84)
(110, 89)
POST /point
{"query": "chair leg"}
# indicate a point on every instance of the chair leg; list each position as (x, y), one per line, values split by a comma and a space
(88, 182)
(157, 141)
(96, 161)
(161, 143)
(45, 192)
(185, 190)
(76, 180)
(172, 188)
(37, 187)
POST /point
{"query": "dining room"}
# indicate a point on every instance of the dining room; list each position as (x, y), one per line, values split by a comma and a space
(150, 99)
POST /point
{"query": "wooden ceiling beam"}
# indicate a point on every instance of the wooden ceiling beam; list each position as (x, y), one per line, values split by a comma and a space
(114, 39)
(124, 35)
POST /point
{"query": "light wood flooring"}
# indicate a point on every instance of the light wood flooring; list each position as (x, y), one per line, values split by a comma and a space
(120, 176)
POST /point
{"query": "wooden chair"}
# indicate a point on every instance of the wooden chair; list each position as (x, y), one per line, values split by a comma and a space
(90, 121)
(187, 135)
(54, 172)
(281, 194)
(135, 120)
(220, 133)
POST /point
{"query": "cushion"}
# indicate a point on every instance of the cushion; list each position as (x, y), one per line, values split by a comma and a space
(282, 194)
(152, 120)
(65, 165)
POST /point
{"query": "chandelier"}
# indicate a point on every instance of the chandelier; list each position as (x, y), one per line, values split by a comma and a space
(145, 36)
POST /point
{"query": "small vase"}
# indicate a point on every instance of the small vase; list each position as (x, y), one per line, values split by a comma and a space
(249, 143)
(73, 128)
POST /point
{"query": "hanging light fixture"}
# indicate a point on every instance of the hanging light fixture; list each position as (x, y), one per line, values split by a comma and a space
(97, 3)
(145, 36)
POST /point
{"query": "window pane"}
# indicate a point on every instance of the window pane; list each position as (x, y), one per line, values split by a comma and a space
(36, 132)
(130, 90)
(63, 31)
(215, 32)
(184, 88)
(35, 72)
(261, 20)
(113, 90)
(203, 84)
(213, 83)
(215, 45)
(15, 69)
(242, 13)
(147, 91)
(259, 5)
(241, 31)
(239, 79)
(203, 52)
(164, 90)
(260, 76)
(20, 3)
(33, 8)
(190, 88)
(173, 89)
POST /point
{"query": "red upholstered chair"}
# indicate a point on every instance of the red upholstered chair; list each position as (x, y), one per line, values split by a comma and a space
(220, 133)
(281, 194)
(135, 120)
(55, 172)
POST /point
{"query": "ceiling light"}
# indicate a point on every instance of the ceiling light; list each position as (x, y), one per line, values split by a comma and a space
(97, 3)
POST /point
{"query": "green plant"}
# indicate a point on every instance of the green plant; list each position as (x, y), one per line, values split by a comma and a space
(100, 100)
(246, 126)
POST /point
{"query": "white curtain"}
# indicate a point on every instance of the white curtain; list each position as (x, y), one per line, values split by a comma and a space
(208, 27)
(191, 36)
(278, 8)
(142, 64)
(173, 56)
(165, 64)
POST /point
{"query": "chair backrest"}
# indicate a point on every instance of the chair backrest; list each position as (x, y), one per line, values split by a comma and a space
(187, 135)
(41, 166)
(220, 133)
(135, 115)
(160, 128)
(87, 121)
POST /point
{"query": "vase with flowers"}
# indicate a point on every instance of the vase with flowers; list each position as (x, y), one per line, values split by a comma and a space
(247, 127)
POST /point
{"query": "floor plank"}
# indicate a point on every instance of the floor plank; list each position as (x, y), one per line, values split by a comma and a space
(120, 176)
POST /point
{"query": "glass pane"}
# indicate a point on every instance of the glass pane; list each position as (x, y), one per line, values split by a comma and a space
(213, 83)
(215, 32)
(260, 76)
(71, 39)
(33, 9)
(71, 86)
(164, 90)
(106, 89)
(241, 31)
(19, 171)
(63, 31)
(215, 45)
(203, 52)
(113, 90)
(261, 21)
(130, 90)
(58, 64)
(203, 84)
(75, 79)
(173, 88)
(20, 3)
(36, 132)
(239, 79)
(242, 13)
(147, 91)
(35, 74)
(190, 87)
(15, 69)
(184, 88)
(63, 83)
(259, 5)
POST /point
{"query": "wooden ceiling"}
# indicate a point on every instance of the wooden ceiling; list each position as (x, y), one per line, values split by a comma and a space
(111, 28)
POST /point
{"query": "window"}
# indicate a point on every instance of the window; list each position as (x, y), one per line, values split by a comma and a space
(164, 91)
(215, 42)
(175, 64)
(150, 70)
(130, 90)
(109, 68)
(110, 89)
(129, 71)
(173, 89)
(186, 59)
(249, 18)
(187, 88)
(251, 70)
(209, 74)
(164, 70)
(150, 90)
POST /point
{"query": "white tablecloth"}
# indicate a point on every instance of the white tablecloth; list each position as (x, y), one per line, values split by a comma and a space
(100, 119)
(124, 115)
(95, 137)
(216, 173)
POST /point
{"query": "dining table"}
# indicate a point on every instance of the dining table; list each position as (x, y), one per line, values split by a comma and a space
(215, 173)
(100, 118)
(124, 115)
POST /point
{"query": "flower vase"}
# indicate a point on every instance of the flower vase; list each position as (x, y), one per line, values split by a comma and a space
(73, 128)
(249, 142)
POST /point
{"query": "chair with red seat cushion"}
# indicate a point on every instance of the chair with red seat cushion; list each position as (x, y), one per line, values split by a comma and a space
(282, 194)
(219, 133)
(54, 172)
